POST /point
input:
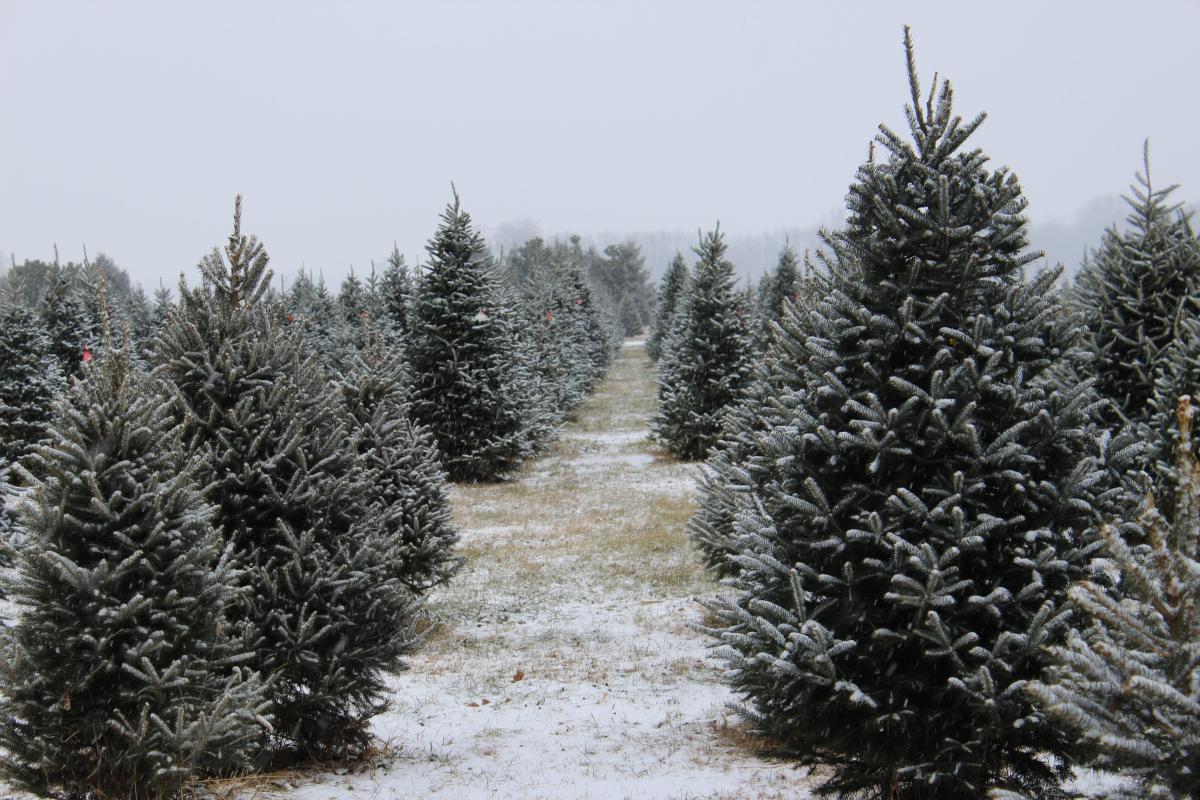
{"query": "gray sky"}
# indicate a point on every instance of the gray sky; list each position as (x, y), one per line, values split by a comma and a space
(129, 126)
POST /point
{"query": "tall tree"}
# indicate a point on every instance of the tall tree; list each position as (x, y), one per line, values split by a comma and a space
(705, 361)
(907, 533)
(470, 386)
(29, 380)
(118, 679)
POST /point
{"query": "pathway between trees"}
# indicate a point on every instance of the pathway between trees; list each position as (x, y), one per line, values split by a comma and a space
(562, 665)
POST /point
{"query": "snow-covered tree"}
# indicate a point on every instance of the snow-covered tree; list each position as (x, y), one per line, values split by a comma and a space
(322, 605)
(705, 358)
(906, 535)
(1127, 682)
(12, 537)
(71, 329)
(670, 290)
(470, 383)
(1137, 292)
(29, 380)
(779, 286)
(119, 678)
(408, 485)
(396, 290)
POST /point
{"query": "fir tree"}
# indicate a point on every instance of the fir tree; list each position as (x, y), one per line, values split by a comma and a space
(780, 286)
(12, 537)
(670, 290)
(396, 292)
(29, 380)
(71, 329)
(409, 501)
(352, 300)
(705, 360)
(470, 384)
(325, 613)
(1126, 685)
(117, 679)
(1136, 292)
(905, 536)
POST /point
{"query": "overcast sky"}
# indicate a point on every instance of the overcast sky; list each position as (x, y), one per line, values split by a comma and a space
(129, 126)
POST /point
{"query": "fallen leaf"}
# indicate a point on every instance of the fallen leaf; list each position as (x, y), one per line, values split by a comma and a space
(472, 705)
(486, 701)
(520, 676)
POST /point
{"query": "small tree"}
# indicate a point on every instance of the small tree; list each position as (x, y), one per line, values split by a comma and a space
(29, 381)
(705, 361)
(118, 679)
(470, 383)
(1126, 684)
(778, 287)
(674, 282)
(396, 292)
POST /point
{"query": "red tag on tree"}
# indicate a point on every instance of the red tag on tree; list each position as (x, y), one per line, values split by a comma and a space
(549, 316)
(578, 301)
(87, 354)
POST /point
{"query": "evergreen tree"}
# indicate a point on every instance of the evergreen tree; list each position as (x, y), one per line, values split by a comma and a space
(140, 316)
(352, 300)
(29, 380)
(71, 329)
(470, 384)
(1136, 292)
(12, 538)
(322, 606)
(705, 361)
(780, 286)
(396, 290)
(409, 500)
(674, 282)
(906, 535)
(1126, 685)
(117, 680)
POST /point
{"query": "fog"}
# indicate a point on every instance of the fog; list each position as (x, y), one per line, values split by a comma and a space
(129, 127)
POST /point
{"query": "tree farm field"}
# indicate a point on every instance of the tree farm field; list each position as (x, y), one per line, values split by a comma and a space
(560, 662)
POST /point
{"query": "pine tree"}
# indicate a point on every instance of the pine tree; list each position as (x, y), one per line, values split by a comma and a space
(396, 291)
(71, 329)
(117, 680)
(12, 537)
(780, 286)
(1136, 292)
(409, 501)
(705, 362)
(671, 289)
(470, 386)
(905, 536)
(352, 300)
(1126, 684)
(29, 380)
(325, 613)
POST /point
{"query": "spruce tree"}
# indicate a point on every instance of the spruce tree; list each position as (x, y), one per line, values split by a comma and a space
(396, 292)
(778, 287)
(71, 329)
(322, 606)
(705, 361)
(1125, 683)
(470, 382)
(119, 678)
(29, 380)
(409, 499)
(12, 537)
(670, 290)
(905, 536)
(1137, 292)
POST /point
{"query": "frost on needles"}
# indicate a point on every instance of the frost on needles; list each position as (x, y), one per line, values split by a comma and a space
(907, 530)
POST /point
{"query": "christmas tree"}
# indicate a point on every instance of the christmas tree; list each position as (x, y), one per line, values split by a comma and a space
(470, 382)
(396, 292)
(29, 380)
(322, 605)
(705, 360)
(409, 499)
(72, 330)
(120, 679)
(778, 287)
(1137, 292)
(912, 526)
(674, 281)
(1125, 683)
